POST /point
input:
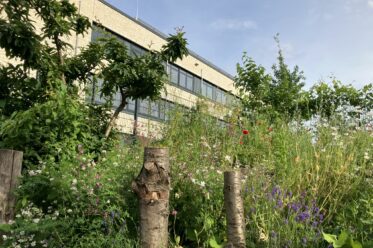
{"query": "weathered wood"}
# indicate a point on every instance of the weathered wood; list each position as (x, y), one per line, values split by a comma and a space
(234, 209)
(152, 187)
(10, 171)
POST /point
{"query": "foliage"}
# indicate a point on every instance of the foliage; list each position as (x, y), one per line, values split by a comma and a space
(344, 240)
(137, 77)
(52, 130)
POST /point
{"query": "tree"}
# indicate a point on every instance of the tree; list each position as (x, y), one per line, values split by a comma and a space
(279, 94)
(137, 77)
(253, 83)
(41, 51)
(286, 86)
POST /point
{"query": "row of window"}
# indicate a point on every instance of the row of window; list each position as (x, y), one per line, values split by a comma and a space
(155, 109)
(177, 75)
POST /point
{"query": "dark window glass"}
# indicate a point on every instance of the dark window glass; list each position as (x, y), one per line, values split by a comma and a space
(182, 79)
(197, 85)
(207, 90)
(98, 88)
(174, 75)
(220, 96)
(144, 107)
(154, 107)
(189, 82)
(131, 105)
(116, 99)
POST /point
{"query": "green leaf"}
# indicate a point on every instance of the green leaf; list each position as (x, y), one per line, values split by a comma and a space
(213, 243)
(329, 237)
(5, 228)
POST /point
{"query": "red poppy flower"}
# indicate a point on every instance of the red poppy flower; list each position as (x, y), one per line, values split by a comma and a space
(245, 131)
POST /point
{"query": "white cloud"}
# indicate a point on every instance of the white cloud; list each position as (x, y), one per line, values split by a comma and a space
(234, 24)
(370, 3)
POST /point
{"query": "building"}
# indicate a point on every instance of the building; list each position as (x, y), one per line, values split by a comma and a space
(191, 79)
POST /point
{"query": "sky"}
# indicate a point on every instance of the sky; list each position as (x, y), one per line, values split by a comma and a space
(325, 38)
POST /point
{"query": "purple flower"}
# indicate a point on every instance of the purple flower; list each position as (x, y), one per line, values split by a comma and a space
(279, 203)
(302, 216)
(273, 234)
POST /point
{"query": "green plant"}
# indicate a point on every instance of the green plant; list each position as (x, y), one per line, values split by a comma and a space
(344, 240)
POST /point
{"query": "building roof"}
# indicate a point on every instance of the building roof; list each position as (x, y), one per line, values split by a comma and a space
(164, 36)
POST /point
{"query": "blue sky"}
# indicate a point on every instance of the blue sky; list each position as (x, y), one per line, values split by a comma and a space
(323, 37)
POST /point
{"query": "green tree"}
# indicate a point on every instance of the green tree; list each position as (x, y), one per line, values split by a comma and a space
(253, 83)
(327, 98)
(286, 87)
(137, 77)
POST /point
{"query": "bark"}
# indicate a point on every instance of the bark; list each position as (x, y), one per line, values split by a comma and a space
(234, 209)
(10, 170)
(120, 108)
(152, 187)
(61, 60)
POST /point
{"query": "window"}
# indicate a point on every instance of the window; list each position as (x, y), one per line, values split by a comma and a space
(197, 85)
(131, 105)
(174, 73)
(182, 79)
(144, 107)
(154, 108)
(189, 82)
(207, 90)
(220, 96)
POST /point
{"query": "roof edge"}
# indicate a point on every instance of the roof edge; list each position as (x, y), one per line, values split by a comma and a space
(164, 36)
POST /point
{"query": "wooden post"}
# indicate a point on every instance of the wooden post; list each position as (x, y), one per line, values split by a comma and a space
(10, 170)
(234, 209)
(152, 187)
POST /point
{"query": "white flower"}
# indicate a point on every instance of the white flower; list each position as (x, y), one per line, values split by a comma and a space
(33, 243)
(5, 237)
(228, 158)
(203, 184)
(366, 156)
(74, 182)
(115, 164)
(51, 179)
(69, 211)
(177, 196)
(108, 201)
(36, 220)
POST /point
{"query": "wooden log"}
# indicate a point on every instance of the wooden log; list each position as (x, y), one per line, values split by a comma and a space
(152, 187)
(10, 170)
(234, 209)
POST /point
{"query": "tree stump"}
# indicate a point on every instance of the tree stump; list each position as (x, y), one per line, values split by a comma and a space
(234, 209)
(152, 187)
(10, 170)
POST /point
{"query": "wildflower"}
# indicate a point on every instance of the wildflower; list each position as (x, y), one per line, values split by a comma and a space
(69, 211)
(36, 220)
(174, 212)
(203, 184)
(228, 158)
(245, 131)
(270, 129)
(5, 237)
(33, 243)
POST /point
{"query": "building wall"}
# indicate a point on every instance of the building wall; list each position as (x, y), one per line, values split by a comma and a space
(98, 11)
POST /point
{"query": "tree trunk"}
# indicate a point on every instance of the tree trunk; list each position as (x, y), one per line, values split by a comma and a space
(152, 187)
(234, 209)
(113, 119)
(10, 170)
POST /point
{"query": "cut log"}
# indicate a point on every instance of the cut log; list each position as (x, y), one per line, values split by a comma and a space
(234, 209)
(10, 171)
(152, 187)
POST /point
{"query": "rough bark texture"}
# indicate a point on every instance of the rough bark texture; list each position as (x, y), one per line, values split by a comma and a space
(152, 187)
(234, 209)
(10, 170)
